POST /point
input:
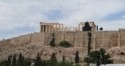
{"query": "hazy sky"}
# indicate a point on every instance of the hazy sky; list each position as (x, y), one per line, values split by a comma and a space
(18, 17)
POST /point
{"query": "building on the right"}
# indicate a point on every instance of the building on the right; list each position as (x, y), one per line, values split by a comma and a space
(91, 24)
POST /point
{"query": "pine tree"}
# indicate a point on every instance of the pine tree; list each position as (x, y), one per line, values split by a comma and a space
(21, 60)
(6, 63)
(87, 27)
(52, 43)
(77, 57)
(53, 60)
(53, 57)
(63, 59)
(26, 63)
(9, 60)
(97, 27)
(38, 61)
(89, 42)
(14, 62)
(101, 29)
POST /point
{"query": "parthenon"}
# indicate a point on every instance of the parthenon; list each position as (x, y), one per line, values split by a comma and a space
(51, 27)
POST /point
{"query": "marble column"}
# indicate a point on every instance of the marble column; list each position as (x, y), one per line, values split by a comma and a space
(45, 28)
(52, 27)
(62, 27)
(41, 28)
(56, 27)
(49, 28)
(79, 27)
(59, 27)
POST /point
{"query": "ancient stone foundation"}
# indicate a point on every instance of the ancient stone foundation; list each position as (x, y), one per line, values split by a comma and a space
(100, 39)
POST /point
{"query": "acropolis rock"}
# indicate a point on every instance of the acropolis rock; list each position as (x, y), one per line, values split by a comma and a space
(29, 45)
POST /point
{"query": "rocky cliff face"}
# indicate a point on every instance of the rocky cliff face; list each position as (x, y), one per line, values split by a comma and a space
(117, 54)
(31, 44)
(31, 50)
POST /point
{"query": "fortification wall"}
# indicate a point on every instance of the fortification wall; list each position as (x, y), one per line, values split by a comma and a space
(106, 39)
(70, 37)
(78, 41)
(59, 36)
(38, 38)
(122, 38)
(100, 39)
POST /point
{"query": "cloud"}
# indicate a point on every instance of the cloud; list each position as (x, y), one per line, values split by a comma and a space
(112, 25)
(115, 16)
(54, 15)
(123, 16)
(23, 16)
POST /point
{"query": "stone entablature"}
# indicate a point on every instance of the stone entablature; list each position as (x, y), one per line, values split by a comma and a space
(53, 27)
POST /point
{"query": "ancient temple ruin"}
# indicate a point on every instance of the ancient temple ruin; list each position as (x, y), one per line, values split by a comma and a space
(52, 27)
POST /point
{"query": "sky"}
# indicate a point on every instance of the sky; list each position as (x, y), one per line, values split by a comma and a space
(20, 17)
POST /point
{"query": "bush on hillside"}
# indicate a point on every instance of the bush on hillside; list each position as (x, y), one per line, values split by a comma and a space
(65, 44)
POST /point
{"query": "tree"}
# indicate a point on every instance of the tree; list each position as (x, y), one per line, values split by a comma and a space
(6, 63)
(97, 27)
(9, 60)
(14, 62)
(63, 59)
(53, 57)
(101, 29)
(20, 60)
(105, 57)
(52, 42)
(3, 63)
(89, 42)
(77, 57)
(98, 57)
(87, 27)
(38, 61)
(65, 44)
(53, 60)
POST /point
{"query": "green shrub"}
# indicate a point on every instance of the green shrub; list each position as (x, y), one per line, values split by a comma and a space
(77, 65)
(52, 43)
(77, 57)
(65, 44)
